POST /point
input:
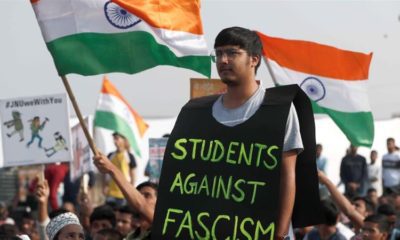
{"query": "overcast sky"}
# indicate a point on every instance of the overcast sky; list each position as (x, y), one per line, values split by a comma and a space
(26, 67)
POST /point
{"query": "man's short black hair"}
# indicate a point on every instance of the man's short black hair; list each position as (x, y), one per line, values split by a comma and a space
(386, 209)
(246, 39)
(330, 211)
(381, 220)
(369, 206)
(148, 184)
(126, 209)
(103, 212)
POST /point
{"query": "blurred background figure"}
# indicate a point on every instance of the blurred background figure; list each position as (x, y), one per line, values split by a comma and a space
(126, 163)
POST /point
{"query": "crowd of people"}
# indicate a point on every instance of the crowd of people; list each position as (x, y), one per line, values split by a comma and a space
(358, 213)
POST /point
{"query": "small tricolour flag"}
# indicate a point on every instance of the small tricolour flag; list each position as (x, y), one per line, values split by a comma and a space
(334, 79)
(114, 114)
(90, 37)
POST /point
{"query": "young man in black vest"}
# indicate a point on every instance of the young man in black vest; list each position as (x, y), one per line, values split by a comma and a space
(248, 115)
(238, 56)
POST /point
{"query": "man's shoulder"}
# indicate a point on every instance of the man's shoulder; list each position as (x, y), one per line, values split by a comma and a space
(201, 102)
(394, 156)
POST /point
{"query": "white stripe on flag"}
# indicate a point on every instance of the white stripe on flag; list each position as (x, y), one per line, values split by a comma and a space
(340, 95)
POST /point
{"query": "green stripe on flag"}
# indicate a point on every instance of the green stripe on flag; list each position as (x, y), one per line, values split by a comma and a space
(114, 122)
(357, 126)
(128, 52)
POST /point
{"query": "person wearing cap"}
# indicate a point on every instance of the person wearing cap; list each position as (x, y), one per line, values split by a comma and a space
(126, 163)
(65, 226)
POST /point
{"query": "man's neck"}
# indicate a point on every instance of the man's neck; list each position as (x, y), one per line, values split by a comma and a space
(238, 95)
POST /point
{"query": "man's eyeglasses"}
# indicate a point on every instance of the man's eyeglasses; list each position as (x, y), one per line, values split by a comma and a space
(229, 53)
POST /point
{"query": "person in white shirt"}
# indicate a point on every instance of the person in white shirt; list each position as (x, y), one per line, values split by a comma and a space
(374, 171)
(391, 168)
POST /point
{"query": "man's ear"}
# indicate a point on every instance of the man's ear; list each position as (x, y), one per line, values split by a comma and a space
(255, 60)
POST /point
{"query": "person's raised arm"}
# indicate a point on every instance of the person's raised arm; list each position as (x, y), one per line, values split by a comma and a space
(342, 202)
(287, 193)
(42, 195)
(133, 196)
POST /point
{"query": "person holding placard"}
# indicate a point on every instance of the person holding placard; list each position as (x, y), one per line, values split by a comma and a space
(238, 165)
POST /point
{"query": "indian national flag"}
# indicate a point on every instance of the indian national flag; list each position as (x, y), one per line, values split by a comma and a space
(90, 37)
(114, 114)
(334, 79)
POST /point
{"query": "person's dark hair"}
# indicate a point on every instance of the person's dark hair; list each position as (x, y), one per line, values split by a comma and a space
(103, 212)
(319, 145)
(148, 184)
(57, 212)
(390, 139)
(369, 206)
(370, 190)
(110, 234)
(386, 209)
(7, 231)
(246, 39)
(330, 212)
(126, 209)
(381, 220)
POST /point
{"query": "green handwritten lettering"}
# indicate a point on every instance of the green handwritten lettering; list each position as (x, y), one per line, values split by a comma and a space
(255, 184)
(204, 227)
(214, 226)
(231, 151)
(259, 228)
(188, 225)
(243, 229)
(274, 160)
(177, 183)
(178, 146)
(260, 148)
(218, 146)
(167, 219)
(241, 196)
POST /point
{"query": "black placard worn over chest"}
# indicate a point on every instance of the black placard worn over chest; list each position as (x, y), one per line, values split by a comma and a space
(220, 182)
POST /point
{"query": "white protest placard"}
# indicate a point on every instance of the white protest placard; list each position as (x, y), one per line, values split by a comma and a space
(82, 156)
(35, 130)
(156, 154)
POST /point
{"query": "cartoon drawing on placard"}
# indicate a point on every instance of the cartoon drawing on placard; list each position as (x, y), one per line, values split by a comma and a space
(16, 122)
(58, 146)
(36, 126)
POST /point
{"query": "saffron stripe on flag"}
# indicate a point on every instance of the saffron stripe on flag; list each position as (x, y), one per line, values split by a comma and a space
(317, 59)
(172, 14)
(110, 91)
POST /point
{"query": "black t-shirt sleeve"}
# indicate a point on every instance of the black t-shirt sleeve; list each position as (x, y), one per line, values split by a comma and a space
(132, 161)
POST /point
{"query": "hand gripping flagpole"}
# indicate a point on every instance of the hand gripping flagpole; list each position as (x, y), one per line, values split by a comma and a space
(79, 115)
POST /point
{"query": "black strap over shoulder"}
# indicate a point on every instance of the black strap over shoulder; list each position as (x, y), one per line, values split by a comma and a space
(201, 102)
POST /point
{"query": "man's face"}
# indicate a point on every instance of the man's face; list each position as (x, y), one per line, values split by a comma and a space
(150, 195)
(391, 146)
(98, 225)
(71, 232)
(373, 156)
(119, 142)
(124, 223)
(370, 231)
(360, 207)
(234, 64)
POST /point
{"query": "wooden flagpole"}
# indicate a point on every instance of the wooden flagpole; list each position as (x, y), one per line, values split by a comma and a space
(79, 115)
(271, 73)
